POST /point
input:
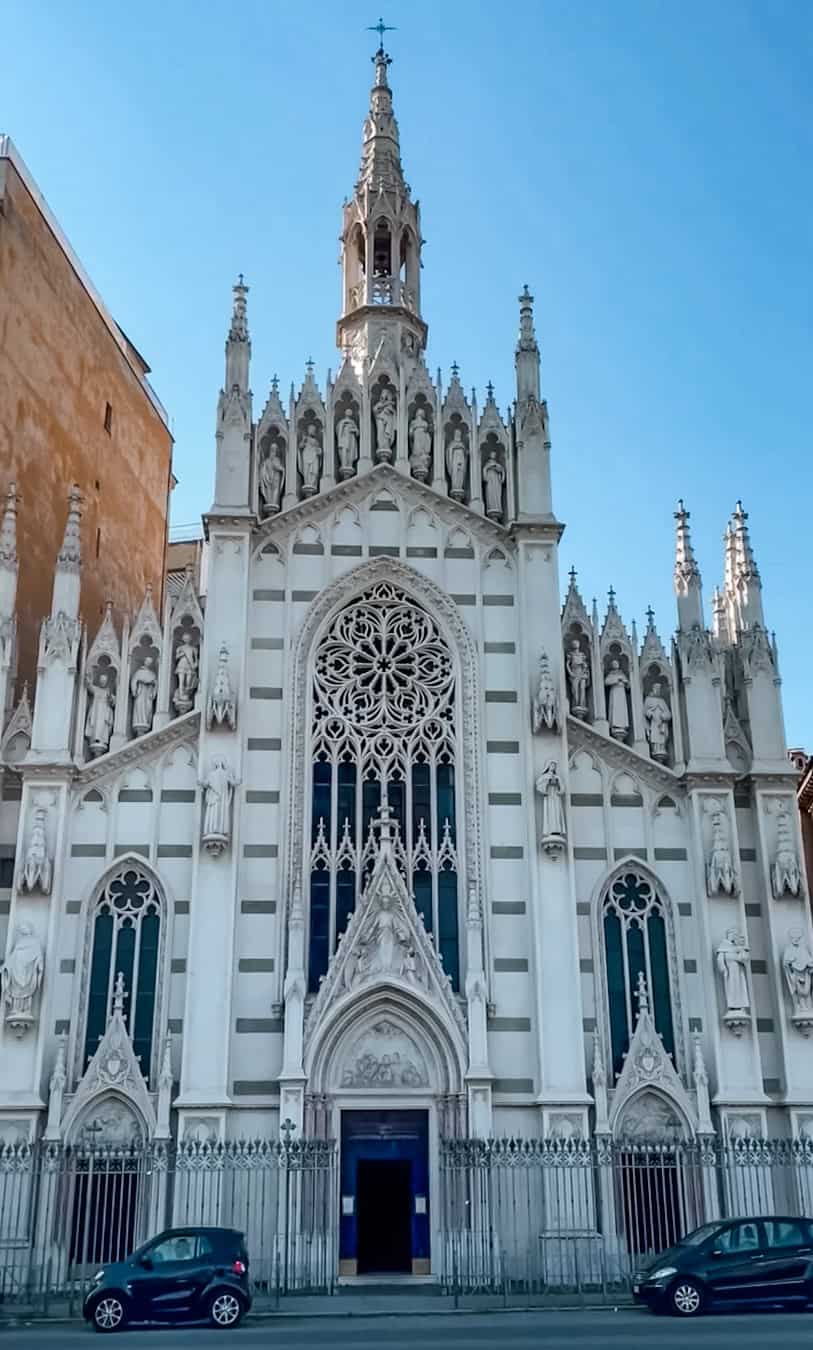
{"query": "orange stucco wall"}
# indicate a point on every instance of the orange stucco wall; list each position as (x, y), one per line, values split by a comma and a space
(60, 366)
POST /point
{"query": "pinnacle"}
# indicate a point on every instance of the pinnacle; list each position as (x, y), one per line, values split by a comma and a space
(70, 554)
(685, 565)
(8, 529)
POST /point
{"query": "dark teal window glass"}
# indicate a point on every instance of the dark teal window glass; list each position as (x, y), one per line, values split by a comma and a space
(421, 801)
(99, 982)
(145, 991)
(319, 945)
(345, 898)
(448, 942)
(321, 798)
(616, 988)
(346, 800)
(123, 960)
(422, 890)
(659, 960)
(445, 788)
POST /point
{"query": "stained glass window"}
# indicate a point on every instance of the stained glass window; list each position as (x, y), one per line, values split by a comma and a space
(126, 939)
(635, 943)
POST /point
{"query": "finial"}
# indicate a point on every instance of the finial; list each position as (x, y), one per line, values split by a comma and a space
(238, 332)
(490, 392)
(642, 995)
(119, 995)
(685, 565)
(69, 557)
(611, 598)
(165, 1078)
(572, 574)
(744, 560)
(381, 28)
(455, 370)
(275, 386)
(527, 335)
(309, 365)
(8, 529)
(650, 619)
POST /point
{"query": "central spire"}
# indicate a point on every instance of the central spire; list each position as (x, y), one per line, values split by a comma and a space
(381, 148)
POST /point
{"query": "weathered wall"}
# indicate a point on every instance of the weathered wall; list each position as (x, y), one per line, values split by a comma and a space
(60, 365)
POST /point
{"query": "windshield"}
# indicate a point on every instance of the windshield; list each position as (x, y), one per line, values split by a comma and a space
(699, 1235)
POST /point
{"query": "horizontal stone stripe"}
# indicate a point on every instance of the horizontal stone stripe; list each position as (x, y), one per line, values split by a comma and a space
(178, 795)
(502, 747)
(500, 648)
(458, 553)
(420, 551)
(639, 852)
(9, 850)
(309, 550)
(495, 600)
(346, 550)
(254, 1087)
(506, 851)
(263, 743)
(505, 799)
(765, 1024)
(504, 964)
(586, 965)
(174, 850)
(772, 1087)
(266, 593)
(384, 551)
(512, 1085)
(258, 906)
(695, 1024)
(753, 911)
(67, 965)
(73, 907)
(685, 909)
(178, 965)
(689, 967)
(759, 967)
(273, 644)
(670, 855)
(255, 965)
(748, 855)
(742, 799)
(5, 906)
(384, 506)
(272, 691)
(143, 850)
(590, 854)
(12, 790)
(181, 906)
(257, 795)
(175, 1026)
(586, 799)
(300, 597)
(245, 1025)
(626, 799)
(135, 795)
(61, 1026)
(464, 599)
(508, 907)
(260, 850)
(87, 850)
(583, 908)
(588, 1024)
(501, 696)
(509, 1024)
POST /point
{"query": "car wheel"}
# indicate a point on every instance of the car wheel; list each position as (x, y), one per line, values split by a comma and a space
(109, 1314)
(686, 1298)
(225, 1309)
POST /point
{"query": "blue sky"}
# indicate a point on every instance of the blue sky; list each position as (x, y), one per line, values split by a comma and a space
(643, 165)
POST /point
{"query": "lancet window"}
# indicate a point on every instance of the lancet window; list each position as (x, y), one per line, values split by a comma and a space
(383, 730)
(635, 942)
(126, 939)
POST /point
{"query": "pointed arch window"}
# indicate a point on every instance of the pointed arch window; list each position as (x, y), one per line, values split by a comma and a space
(636, 941)
(384, 729)
(126, 938)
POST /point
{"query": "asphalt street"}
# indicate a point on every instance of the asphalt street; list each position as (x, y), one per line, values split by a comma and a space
(464, 1331)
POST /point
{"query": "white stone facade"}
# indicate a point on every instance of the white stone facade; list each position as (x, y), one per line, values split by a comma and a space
(179, 752)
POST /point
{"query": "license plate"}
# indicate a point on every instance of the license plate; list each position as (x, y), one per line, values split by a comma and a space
(636, 1289)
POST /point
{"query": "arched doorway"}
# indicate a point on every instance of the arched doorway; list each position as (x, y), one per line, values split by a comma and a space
(107, 1182)
(656, 1189)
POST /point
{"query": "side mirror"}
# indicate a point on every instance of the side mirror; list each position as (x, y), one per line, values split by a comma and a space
(146, 1262)
(717, 1252)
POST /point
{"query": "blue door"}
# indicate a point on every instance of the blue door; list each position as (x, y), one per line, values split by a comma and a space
(384, 1193)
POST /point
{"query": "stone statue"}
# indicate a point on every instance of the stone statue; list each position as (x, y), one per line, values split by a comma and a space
(218, 790)
(701, 1087)
(786, 874)
(578, 675)
(347, 445)
(36, 873)
(545, 708)
(271, 479)
(388, 948)
(420, 440)
(720, 874)
(657, 717)
(493, 479)
(144, 687)
(187, 660)
(221, 706)
(57, 1084)
(549, 787)
(310, 459)
(99, 721)
(617, 684)
(457, 459)
(732, 963)
(385, 424)
(20, 978)
(797, 967)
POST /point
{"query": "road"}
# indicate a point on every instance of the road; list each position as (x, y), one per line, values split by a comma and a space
(464, 1331)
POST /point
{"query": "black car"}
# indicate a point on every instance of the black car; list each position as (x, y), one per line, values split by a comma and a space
(184, 1274)
(765, 1260)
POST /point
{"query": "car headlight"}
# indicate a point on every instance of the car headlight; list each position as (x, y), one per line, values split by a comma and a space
(98, 1276)
(663, 1272)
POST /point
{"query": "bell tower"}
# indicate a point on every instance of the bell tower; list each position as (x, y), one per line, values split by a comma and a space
(381, 242)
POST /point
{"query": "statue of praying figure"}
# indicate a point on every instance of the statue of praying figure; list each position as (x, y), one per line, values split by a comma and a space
(218, 790)
(617, 684)
(310, 460)
(420, 440)
(271, 479)
(385, 423)
(493, 479)
(797, 966)
(550, 788)
(347, 445)
(99, 721)
(657, 717)
(457, 459)
(143, 687)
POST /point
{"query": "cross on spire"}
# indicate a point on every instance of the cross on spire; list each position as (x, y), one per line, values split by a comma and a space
(381, 28)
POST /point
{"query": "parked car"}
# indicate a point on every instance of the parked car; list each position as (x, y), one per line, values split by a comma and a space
(182, 1275)
(764, 1260)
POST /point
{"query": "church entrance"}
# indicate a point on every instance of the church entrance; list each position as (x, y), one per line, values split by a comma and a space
(384, 1193)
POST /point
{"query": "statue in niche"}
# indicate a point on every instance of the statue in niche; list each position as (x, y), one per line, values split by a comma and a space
(657, 717)
(578, 675)
(310, 459)
(144, 688)
(99, 721)
(732, 962)
(20, 978)
(420, 441)
(617, 684)
(786, 874)
(493, 479)
(221, 708)
(385, 423)
(347, 445)
(545, 711)
(457, 459)
(549, 786)
(271, 479)
(720, 874)
(218, 790)
(797, 967)
(37, 865)
(187, 661)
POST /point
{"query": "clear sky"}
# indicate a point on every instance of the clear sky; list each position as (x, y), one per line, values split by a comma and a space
(644, 165)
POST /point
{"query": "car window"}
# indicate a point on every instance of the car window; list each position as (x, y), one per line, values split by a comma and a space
(785, 1233)
(181, 1247)
(741, 1237)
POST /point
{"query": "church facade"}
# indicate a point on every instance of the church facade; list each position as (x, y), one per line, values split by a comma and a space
(386, 841)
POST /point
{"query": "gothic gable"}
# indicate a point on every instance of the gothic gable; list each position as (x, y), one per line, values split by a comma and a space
(616, 755)
(113, 1072)
(650, 1075)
